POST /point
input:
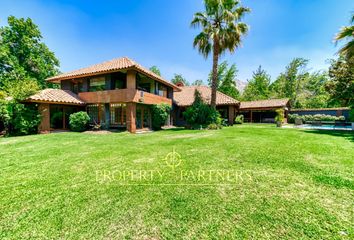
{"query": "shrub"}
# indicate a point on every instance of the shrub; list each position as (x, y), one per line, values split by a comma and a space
(351, 114)
(316, 117)
(200, 114)
(19, 119)
(280, 115)
(79, 121)
(160, 113)
(214, 126)
(239, 119)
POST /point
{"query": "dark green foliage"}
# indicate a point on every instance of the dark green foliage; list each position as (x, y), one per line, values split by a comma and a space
(155, 70)
(197, 82)
(316, 117)
(351, 114)
(20, 119)
(239, 119)
(341, 85)
(160, 113)
(258, 87)
(226, 80)
(23, 55)
(179, 78)
(79, 121)
(201, 114)
(291, 82)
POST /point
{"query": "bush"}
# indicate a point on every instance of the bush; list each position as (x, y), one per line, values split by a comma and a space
(351, 114)
(280, 115)
(19, 119)
(200, 114)
(79, 121)
(239, 119)
(160, 113)
(316, 117)
(214, 126)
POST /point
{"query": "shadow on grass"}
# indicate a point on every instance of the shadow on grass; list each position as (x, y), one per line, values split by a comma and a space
(349, 135)
(176, 129)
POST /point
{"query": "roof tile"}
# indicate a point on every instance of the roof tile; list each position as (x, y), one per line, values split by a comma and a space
(270, 103)
(186, 96)
(57, 96)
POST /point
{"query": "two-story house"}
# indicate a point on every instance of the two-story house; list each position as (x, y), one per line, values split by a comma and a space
(115, 93)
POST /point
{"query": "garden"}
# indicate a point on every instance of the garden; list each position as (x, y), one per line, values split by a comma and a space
(292, 184)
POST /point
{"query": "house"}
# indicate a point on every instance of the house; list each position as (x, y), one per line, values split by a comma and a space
(115, 94)
(263, 111)
(226, 105)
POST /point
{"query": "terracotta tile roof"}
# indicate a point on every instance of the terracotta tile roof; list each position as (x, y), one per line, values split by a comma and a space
(270, 103)
(186, 96)
(56, 96)
(116, 64)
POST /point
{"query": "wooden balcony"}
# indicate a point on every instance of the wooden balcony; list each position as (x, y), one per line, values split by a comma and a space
(123, 95)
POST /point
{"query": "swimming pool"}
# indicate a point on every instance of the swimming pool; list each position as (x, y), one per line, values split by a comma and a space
(326, 127)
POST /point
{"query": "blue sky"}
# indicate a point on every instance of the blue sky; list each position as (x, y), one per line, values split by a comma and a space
(157, 32)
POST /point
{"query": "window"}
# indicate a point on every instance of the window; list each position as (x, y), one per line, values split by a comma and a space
(162, 91)
(144, 87)
(118, 114)
(97, 84)
(92, 111)
(77, 87)
(119, 80)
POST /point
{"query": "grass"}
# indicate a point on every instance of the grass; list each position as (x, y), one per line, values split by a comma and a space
(291, 184)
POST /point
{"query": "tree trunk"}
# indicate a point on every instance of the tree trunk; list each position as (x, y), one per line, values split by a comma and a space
(214, 82)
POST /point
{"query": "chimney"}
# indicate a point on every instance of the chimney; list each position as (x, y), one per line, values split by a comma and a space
(179, 84)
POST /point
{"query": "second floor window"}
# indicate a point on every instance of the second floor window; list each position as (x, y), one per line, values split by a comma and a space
(97, 84)
(162, 91)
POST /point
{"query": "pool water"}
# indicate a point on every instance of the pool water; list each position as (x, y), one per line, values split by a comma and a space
(327, 127)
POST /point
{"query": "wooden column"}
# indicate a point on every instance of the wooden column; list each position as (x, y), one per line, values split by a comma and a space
(231, 112)
(131, 79)
(131, 117)
(44, 110)
(251, 116)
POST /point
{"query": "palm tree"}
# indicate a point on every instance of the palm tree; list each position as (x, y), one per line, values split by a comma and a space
(221, 31)
(347, 33)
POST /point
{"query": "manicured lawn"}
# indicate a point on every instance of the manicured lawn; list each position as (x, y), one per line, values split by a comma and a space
(292, 184)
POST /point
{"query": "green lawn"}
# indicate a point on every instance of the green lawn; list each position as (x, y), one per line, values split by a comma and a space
(290, 184)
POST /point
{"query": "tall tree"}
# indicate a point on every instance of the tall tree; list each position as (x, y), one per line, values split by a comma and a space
(197, 82)
(341, 85)
(23, 55)
(290, 83)
(258, 87)
(179, 78)
(222, 30)
(226, 79)
(155, 70)
(347, 33)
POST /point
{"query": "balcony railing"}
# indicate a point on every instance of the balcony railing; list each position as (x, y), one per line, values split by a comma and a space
(123, 95)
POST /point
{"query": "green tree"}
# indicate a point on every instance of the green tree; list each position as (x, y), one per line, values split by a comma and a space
(197, 82)
(23, 55)
(290, 83)
(179, 78)
(222, 30)
(258, 87)
(314, 94)
(341, 84)
(228, 82)
(347, 33)
(155, 70)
